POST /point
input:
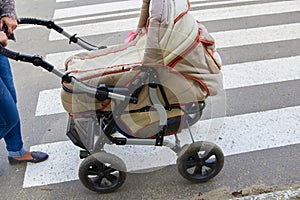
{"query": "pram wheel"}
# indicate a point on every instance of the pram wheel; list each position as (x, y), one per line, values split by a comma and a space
(102, 172)
(200, 161)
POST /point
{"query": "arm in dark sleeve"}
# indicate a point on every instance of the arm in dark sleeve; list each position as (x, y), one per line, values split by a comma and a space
(8, 8)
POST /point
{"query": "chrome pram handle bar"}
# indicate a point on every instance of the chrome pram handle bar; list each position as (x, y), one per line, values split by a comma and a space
(100, 93)
(51, 25)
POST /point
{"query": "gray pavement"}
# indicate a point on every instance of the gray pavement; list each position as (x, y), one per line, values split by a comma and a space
(276, 168)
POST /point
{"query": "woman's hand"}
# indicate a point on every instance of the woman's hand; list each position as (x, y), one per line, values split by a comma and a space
(3, 38)
(10, 22)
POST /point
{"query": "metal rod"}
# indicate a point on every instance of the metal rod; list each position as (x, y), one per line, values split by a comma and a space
(158, 106)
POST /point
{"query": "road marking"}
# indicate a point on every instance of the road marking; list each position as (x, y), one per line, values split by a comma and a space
(49, 102)
(238, 134)
(246, 11)
(292, 193)
(62, 165)
(95, 9)
(192, 1)
(59, 1)
(235, 76)
(203, 15)
(223, 39)
(259, 35)
(102, 9)
(261, 72)
(119, 6)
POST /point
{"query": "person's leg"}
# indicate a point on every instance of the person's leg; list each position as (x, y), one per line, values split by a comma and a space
(9, 117)
(10, 128)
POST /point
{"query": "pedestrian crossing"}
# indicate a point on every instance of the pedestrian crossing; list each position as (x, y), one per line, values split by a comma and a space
(203, 15)
(106, 10)
(235, 76)
(234, 134)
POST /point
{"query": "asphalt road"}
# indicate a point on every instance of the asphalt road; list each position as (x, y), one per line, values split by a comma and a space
(275, 165)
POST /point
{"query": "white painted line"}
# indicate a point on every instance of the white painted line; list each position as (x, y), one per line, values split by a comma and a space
(62, 164)
(95, 9)
(223, 39)
(78, 12)
(235, 76)
(59, 1)
(105, 16)
(237, 134)
(97, 28)
(282, 195)
(246, 10)
(26, 26)
(116, 6)
(257, 35)
(49, 103)
(252, 131)
(261, 72)
(203, 15)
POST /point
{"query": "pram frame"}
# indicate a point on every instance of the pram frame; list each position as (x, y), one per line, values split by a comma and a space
(96, 146)
(101, 92)
(186, 154)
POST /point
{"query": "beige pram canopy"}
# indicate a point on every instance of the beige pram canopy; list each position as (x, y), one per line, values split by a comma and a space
(177, 49)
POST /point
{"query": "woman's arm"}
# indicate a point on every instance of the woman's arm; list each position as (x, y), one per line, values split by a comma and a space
(3, 38)
(144, 14)
(8, 16)
(8, 8)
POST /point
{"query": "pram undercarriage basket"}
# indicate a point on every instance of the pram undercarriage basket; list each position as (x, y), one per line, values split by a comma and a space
(90, 130)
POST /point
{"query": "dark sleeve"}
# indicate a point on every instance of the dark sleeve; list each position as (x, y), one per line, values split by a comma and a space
(8, 8)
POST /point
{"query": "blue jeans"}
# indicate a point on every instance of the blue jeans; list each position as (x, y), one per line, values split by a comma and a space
(10, 128)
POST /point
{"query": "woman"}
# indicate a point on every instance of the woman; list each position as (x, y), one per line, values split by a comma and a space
(9, 118)
(177, 40)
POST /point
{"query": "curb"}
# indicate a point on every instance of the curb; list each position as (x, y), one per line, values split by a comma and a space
(279, 195)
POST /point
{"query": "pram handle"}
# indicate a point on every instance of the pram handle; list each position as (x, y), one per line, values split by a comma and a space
(47, 23)
(100, 93)
(51, 25)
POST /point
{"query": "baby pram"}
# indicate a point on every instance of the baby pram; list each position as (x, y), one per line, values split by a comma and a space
(90, 129)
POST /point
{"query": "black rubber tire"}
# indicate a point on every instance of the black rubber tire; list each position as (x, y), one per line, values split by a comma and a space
(101, 172)
(200, 161)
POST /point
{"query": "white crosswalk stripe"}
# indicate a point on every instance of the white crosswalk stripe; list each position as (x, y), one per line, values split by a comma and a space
(80, 11)
(204, 16)
(59, 1)
(223, 39)
(95, 9)
(241, 133)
